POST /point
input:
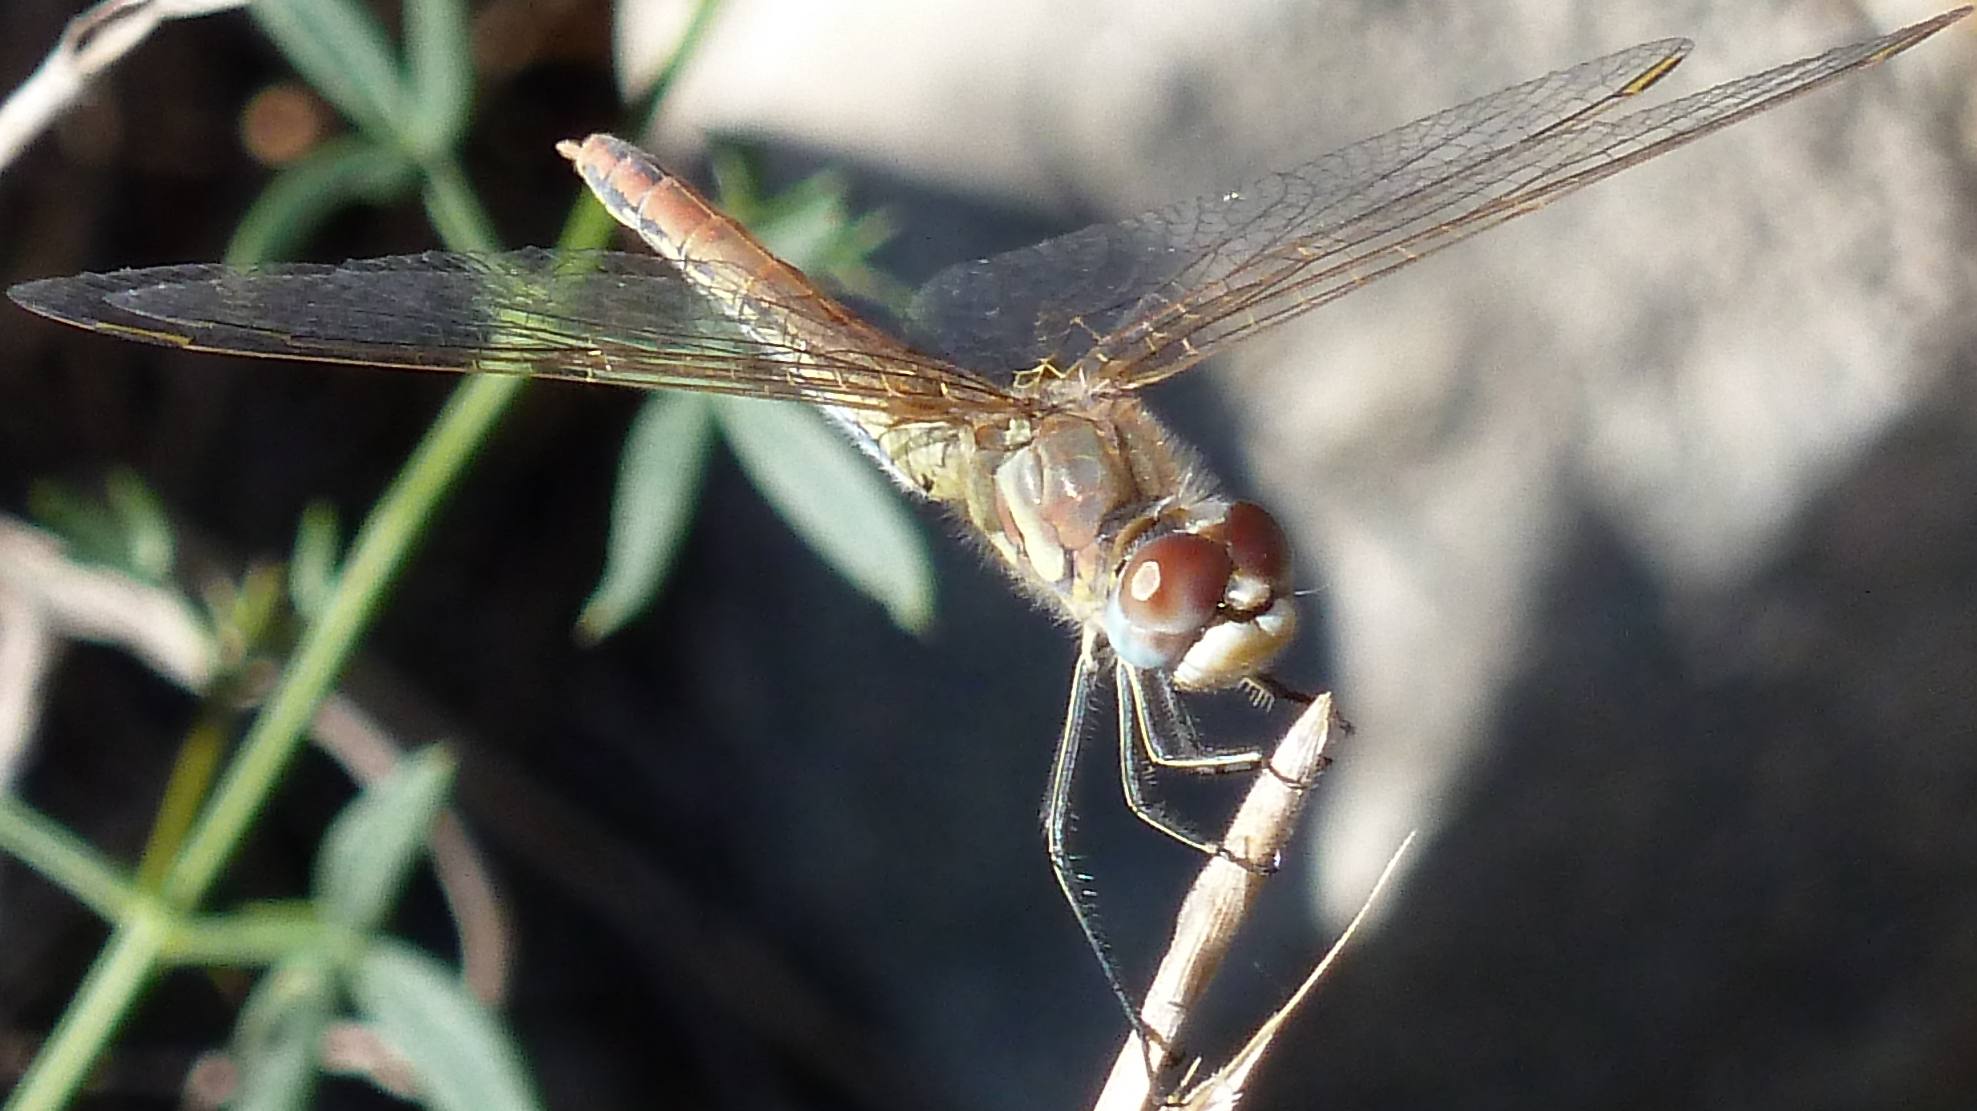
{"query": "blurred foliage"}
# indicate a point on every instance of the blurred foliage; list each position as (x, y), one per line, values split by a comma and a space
(312, 564)
(326, 959)
(328, 955)
(125, 529)
(659, 475)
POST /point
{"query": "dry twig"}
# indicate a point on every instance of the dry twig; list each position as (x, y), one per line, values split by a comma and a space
(1223, 1090)
(1220, 900)
(91, 43)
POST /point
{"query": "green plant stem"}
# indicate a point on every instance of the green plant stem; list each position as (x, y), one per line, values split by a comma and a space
(121, 970)
(646, 105)
(376, 555)
(378, 552)
(192, 773)
(249, 938)
(65, 860)
(455, 212)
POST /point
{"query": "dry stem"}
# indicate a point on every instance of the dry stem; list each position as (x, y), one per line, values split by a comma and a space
(1220, 900)
(91, 43)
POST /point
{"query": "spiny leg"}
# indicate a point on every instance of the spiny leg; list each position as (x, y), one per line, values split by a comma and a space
(1136, 762)
(1168, 733)
(1057, 818)
(1157, 747)
(1267, 688)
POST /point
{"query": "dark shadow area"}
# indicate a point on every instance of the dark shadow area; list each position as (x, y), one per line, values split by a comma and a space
(1719, 854)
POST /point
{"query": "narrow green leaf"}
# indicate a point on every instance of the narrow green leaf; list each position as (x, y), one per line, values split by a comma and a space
(275, 1041)
(453, 209)
(658, 485)
(343, 53)
(297, 200)
(87, 528)
(312, 565)
(849, 262)
(375, 841)
(126, 530)
(440, 71)
(149, 546)
(804, 223)
(811, 224)
(462, 1054)
(252, 612)
(737, 183)
(836, 501)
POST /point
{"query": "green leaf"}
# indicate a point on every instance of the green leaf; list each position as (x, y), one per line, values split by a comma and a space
(149, 547)
(803, 223)
(811, 225)
(373, 844)
(86, 527)
(737, 182)
(243, 614)
(836, 501)
(463, 1056)
(312, 567)
(454, 211)
(441, 73)
(343, 53)
(658, 484)
(127, 530)
(275, 1041)
(302, 196)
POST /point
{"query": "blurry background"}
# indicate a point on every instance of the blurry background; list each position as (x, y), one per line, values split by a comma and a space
(1643, 535)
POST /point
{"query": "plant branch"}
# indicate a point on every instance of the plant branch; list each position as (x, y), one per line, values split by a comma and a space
(91, 43)
(1215, 907)
(65, 860)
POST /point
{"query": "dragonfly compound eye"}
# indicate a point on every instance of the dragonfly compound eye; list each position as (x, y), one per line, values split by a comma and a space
(1257, 544)
(1173, 584)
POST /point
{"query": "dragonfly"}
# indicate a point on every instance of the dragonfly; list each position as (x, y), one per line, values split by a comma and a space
(1012, 394)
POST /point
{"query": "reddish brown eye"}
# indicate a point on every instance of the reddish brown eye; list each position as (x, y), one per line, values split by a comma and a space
(1257, 543)
(1173, 584)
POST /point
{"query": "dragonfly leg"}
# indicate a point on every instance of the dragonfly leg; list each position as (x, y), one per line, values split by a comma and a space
(1157, 734)
(1166, 731)
(1057, 819)
(1268, 688)
(1136, 763)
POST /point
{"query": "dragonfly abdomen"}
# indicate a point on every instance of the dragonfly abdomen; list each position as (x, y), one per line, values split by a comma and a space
(825, 351)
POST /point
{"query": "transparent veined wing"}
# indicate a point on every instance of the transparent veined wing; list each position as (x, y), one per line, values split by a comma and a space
(592, 316)
(1127, 304)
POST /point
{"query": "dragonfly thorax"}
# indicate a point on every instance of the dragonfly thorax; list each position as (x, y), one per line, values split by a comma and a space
(1104, 513)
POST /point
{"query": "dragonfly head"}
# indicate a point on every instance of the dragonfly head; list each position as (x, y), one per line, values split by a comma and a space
(1210, 603)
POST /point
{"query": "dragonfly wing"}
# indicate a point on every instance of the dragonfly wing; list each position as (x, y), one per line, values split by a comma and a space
(1136, 301)
(593, 316)
(1059, 298)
